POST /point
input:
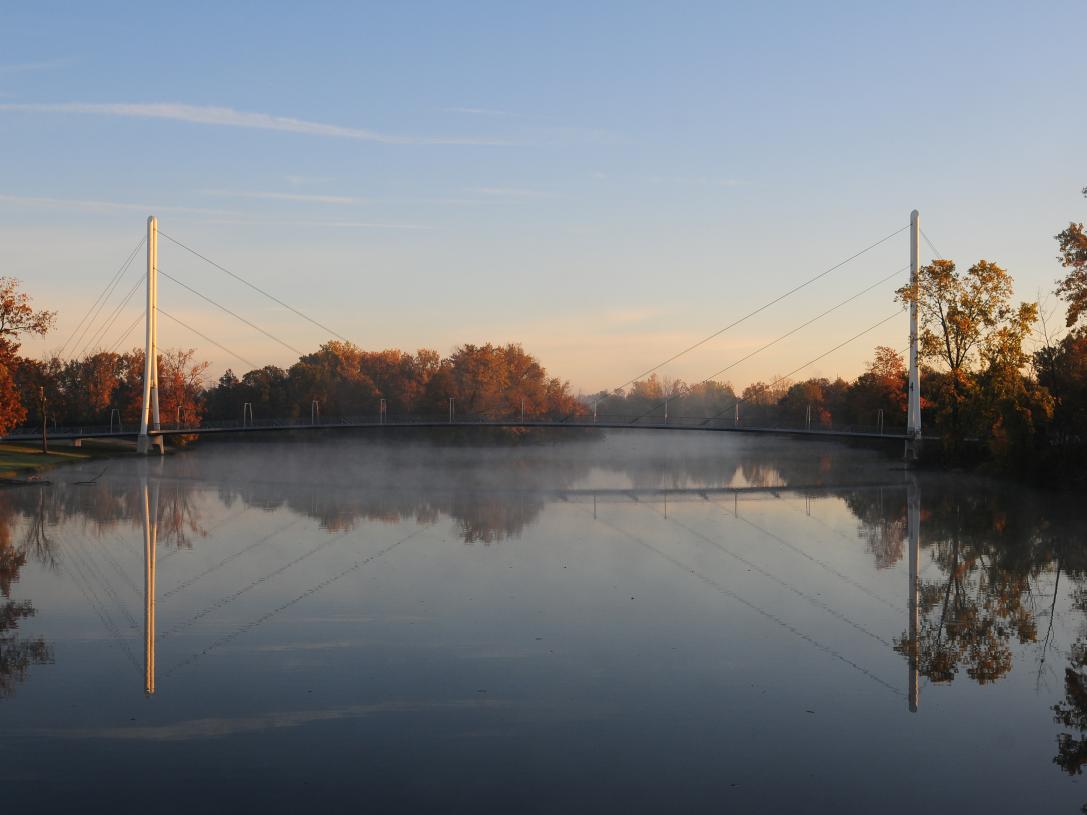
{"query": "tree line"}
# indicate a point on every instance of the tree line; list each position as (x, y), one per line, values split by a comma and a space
(998, 384)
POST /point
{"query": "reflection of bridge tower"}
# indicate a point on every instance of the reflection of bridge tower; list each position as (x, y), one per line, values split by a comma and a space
(149, 407)
(150, 545)
(913, 522)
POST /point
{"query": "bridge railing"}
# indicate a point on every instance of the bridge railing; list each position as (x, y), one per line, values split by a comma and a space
(603, 420)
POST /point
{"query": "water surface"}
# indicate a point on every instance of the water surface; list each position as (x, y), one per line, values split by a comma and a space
(637, 622)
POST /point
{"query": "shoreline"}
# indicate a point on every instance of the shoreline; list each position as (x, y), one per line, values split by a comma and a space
(23, 462)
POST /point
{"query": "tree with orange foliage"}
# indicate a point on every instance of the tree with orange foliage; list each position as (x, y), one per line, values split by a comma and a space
(17, 317)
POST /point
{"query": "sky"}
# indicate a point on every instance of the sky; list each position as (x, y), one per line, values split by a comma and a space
(605, 183)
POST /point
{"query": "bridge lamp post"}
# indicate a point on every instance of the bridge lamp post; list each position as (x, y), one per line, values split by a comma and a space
(522, 411)
(247, 407)
(314, 412)
(450, 410)
(382, 412)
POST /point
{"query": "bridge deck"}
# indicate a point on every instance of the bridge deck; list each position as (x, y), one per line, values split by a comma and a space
(67, 434)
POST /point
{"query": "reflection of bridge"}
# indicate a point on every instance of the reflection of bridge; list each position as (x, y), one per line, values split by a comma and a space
(152, 430)
(150, 493)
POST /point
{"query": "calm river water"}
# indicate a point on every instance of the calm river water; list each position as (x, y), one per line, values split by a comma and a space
(637, 622)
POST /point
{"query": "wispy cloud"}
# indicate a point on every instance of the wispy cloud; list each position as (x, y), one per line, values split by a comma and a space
(217, 216)
(229, 117)
(511, 192)
(696, 180)
(479, 112)
(90, 205)
(302, 180)
(26, 67)
(337, 224)
(285, 196)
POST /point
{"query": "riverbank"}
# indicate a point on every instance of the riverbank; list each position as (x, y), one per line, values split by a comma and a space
(20, 460)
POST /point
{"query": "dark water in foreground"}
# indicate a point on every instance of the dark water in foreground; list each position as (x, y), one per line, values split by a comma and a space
(646, 623)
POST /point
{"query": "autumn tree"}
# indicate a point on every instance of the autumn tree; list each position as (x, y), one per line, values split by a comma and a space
(18, 315)
(967, 319)
(1073, 256)
(882, 386)
(17, 318)
(334, 377)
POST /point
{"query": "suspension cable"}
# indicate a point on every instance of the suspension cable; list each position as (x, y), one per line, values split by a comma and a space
(128, 331)
(233, 314)
(100, 334)
(935, 251)
(786, 335)
(255, 287)
(842, 344)
(761, 308)
(102, 298)
(206, 338)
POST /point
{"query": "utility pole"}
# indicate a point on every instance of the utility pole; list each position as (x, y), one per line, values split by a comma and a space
(913, 415)
(149, 412)
(45, 422)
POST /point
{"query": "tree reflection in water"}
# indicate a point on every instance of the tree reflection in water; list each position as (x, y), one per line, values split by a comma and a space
(19, 654)
(999, 551)
(995, 552)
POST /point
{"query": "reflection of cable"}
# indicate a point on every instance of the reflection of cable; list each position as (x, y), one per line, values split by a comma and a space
(230, 598)
(768, 615)
(185, 584)
(103, 547)
(308, 592)
(815, 560)
(783, 583)
(93, 569)
(830, 528)
(91, 596)
(227, 520)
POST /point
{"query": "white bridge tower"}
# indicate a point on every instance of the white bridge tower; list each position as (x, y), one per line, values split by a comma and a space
(149, 407)
(913, 409)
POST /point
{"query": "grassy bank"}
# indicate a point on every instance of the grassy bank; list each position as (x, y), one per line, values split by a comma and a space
(18, 460)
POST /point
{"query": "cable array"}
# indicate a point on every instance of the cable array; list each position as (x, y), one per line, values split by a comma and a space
(255, 287)
(233, 314)
(760, 309)
(100, 301)
(786, 335)
(205, 337)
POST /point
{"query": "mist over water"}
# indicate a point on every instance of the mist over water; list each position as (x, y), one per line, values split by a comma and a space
(636, 622)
